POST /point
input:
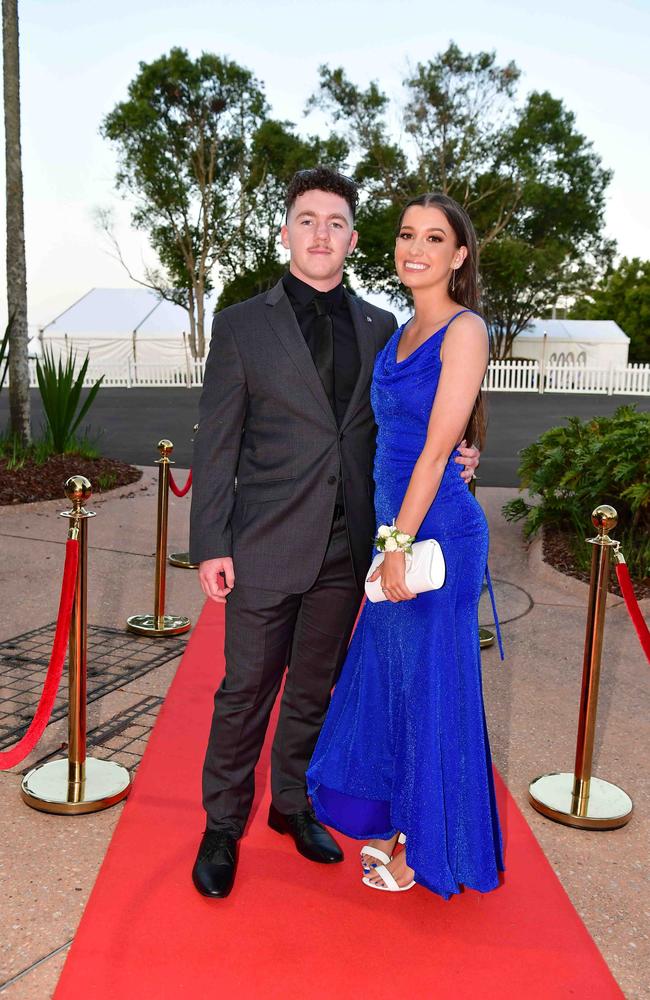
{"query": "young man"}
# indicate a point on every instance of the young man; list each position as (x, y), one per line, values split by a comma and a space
(282, 515)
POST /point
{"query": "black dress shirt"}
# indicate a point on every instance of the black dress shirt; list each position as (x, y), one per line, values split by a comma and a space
(346, 352)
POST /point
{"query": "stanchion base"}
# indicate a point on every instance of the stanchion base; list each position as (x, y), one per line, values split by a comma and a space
(608, 807)
(182, 559)
(486, 638)
(46, 787)
(164, 625)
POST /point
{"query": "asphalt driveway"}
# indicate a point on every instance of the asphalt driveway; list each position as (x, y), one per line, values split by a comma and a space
(128, 423)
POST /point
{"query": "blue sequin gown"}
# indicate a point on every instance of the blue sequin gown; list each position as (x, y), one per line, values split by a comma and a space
(404, 746)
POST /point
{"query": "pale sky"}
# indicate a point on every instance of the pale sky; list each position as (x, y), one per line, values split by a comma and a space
(78, 57)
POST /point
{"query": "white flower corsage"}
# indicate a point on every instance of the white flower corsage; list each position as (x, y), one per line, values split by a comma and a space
(391, 539)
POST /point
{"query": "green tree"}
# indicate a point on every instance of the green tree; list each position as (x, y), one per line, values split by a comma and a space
(276, 153)
(183, 139)
(622, 295)
(530, 181)
(17, 330)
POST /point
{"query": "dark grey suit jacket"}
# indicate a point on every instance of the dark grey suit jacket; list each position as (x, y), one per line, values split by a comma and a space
(265, 423)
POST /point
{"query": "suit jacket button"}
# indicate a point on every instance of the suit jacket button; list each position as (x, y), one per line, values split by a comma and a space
(331, 480)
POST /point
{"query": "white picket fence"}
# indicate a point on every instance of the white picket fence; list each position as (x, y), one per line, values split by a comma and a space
(501, 376)
(127, 374)
(512, 376)
(527, 376)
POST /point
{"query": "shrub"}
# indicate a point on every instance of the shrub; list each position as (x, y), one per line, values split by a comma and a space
(570, 470)
(61, 395)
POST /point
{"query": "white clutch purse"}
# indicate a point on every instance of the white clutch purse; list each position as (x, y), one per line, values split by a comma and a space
(425, 570)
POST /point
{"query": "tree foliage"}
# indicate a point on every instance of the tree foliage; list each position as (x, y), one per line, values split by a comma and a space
(276, 153)
(207, 168)
(624, 296)
(530, 181)
(183, 138)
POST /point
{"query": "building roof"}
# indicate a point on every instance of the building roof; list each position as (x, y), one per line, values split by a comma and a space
(119, 313)
(579, 331)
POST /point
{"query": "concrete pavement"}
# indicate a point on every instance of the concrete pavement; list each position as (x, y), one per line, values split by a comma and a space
(48, 863)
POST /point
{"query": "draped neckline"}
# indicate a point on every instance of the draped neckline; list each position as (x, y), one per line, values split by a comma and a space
(432, 336)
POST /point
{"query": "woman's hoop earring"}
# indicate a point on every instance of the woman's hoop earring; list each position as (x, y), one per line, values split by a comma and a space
(453, 279)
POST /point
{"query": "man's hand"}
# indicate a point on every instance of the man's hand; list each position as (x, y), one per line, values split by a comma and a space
(217, 578)
(469, 458)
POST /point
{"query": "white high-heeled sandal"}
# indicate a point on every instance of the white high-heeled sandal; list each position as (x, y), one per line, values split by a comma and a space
(390, 883)
(375, 852)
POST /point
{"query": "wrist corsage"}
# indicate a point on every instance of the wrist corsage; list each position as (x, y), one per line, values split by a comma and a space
(391, 539)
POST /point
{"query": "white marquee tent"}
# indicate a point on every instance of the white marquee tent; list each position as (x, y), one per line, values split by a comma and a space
(118, 324)
(592, 343)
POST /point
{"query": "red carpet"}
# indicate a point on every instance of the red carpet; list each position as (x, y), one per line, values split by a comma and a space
(296, 930)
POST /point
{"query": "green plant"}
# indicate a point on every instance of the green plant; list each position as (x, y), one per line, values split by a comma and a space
(569, 470)
(15, 454)
(61, 396)
(4, 353)
(85, 444)
(105, 481)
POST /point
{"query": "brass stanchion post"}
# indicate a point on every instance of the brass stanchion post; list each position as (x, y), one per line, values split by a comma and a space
(182, 559)
(76, 784)
(486, 637)
(159, 623)
(579, 799)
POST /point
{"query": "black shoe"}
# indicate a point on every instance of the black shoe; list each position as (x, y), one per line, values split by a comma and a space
(312, 839)
(214, 869)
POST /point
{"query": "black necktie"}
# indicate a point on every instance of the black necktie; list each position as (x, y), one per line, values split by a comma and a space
(321, 345)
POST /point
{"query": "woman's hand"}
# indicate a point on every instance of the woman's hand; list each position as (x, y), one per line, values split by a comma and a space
(393, 577)
(469, 459)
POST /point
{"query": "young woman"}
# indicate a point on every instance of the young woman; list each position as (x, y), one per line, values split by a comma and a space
(403, 755)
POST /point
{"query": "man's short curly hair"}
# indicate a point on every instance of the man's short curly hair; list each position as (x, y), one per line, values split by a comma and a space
(322, 179)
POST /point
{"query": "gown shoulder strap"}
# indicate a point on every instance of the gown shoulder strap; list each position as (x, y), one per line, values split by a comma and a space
(459, 313)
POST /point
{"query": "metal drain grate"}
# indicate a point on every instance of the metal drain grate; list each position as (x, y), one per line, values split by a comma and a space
(114, 659)
(122, 738)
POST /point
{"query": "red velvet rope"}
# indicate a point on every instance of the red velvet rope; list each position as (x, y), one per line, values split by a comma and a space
(633, 608)
(175, 489)
(25, 745)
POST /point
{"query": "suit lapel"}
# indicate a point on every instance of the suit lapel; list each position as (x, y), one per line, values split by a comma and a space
(366, 345)
(284, 324)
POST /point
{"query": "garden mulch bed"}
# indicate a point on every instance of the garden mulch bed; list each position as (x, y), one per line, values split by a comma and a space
(557, 552)
(45, 481)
